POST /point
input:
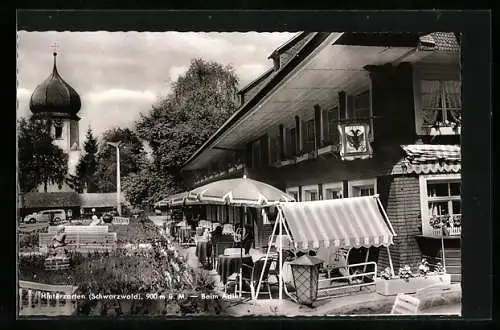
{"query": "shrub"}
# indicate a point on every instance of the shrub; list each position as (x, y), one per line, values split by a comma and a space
(29, 240)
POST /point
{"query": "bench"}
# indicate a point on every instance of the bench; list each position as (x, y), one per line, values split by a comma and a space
(83, 242)
(80, 229)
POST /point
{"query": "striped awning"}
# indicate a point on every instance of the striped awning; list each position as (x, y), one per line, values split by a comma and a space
(423, 153)
(432, 158)
(347, 222)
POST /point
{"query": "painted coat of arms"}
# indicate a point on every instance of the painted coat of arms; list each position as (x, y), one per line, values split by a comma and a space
(355, 141)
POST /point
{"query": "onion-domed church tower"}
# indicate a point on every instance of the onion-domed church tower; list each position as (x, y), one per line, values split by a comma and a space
(56, 100)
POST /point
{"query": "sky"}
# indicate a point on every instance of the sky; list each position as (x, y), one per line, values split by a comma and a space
(119, 75)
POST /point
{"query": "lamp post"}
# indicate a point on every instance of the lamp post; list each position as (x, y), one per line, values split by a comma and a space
(118, 184)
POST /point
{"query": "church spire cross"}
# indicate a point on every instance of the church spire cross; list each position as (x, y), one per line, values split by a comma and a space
(54, 47)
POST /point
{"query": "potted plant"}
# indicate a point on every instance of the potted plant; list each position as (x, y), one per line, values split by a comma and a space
(406, 281)
(442, 222)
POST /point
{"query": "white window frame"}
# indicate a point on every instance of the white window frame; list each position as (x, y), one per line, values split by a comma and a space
(361, 183)
(424, 208)
(306, 189)
(293, 190)
(339, 186)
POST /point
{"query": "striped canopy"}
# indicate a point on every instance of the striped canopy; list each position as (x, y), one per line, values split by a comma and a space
(430, 158)
(238, 192)
(347, 222)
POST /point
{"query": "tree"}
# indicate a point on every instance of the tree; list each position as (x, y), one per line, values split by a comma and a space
(146, 186)
(87, 166)
(201, 101)
(39, 160)
(132, 156)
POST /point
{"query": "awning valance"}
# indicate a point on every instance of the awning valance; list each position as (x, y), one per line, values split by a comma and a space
(178, 199)
(347, 222)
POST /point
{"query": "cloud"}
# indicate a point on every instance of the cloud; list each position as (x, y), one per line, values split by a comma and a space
(120, 95)
(23, 94)
(250, 72)
(176, 71)
(120, 74)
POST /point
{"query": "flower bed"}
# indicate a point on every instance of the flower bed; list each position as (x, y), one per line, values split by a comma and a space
(408, 282)
(160, 275)
(397, 285)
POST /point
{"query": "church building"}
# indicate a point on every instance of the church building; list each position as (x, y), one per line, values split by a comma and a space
(55, 100)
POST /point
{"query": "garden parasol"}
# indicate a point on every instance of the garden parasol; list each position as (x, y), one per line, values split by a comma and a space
(238, 192)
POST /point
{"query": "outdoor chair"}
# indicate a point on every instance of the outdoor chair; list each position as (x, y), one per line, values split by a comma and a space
(251, 276)
(405, 305)
(432, 293)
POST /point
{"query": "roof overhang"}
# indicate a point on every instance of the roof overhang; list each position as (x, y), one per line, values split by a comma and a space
(315, 80)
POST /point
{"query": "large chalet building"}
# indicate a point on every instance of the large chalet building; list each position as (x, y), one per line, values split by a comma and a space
(352, 114)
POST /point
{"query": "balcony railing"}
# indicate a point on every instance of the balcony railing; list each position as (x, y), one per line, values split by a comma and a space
(219, 173)
(446, 225)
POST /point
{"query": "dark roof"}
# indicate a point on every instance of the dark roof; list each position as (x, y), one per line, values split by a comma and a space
(55, 95)
(279, 75)
(50, 200)
(440, 41)
(68, 199)
(99, 200)
(288, 44)
(256, 81)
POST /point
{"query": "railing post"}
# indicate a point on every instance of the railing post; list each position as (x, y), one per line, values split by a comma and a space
(29, 297)
(20, 298)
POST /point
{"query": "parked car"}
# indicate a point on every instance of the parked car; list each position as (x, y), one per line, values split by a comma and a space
(50, 216)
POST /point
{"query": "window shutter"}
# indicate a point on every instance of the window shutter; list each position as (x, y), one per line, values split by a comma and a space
(317, 126)
(281, 142)
(264, 149)
(342, 105)
(350, 107)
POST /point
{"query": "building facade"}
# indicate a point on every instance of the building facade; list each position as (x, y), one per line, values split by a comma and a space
(354, 114)
(55, 101)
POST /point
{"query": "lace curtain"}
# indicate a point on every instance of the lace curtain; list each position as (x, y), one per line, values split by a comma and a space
(441, 100)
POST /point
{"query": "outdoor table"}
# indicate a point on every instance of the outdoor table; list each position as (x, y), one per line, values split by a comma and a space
(228, 265)
(203, 250)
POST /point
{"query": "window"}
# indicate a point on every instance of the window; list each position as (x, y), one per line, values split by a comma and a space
(362, 188)
(441, 204)
(309, 136)
(361, 106)
(441, 102)
(293, 192)
(291, 142)
(333, 190)
(310, 193)
(330, 122)
(274, 149)
(58, 128)
(256, 154)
